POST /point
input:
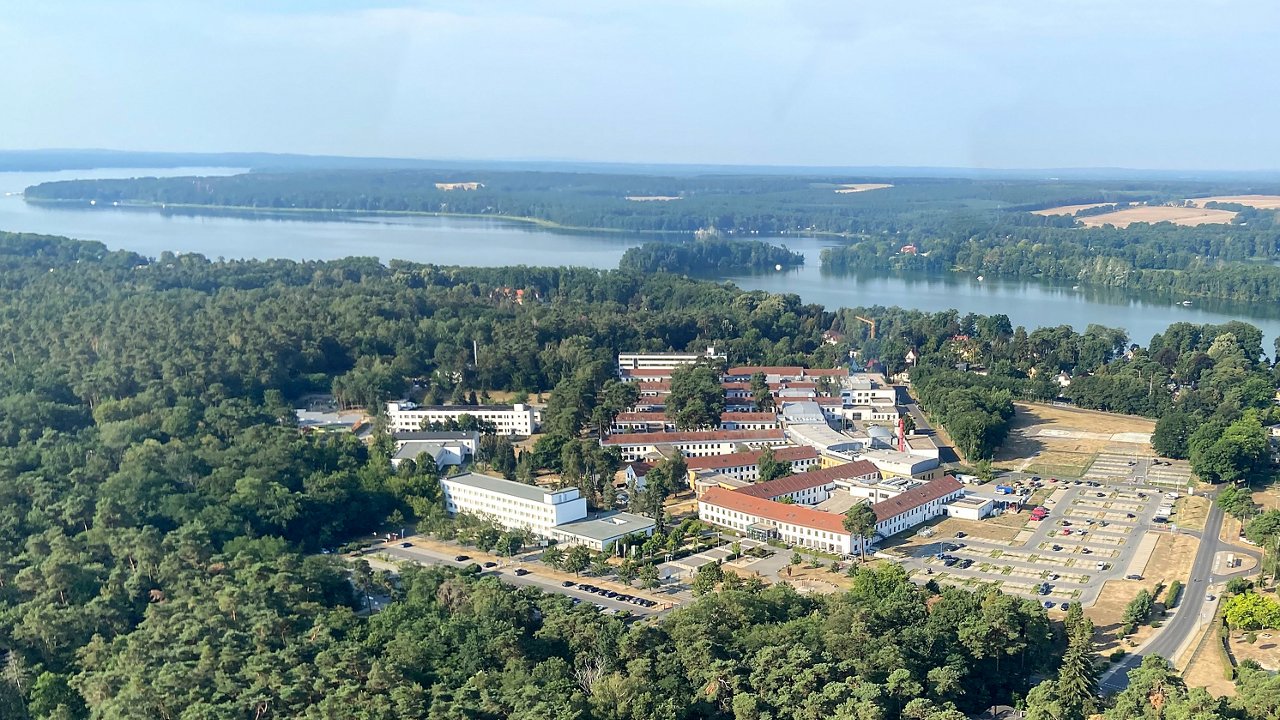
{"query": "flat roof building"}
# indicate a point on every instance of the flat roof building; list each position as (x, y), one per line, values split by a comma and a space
(507, 419)
(512, 504)
(603, 530)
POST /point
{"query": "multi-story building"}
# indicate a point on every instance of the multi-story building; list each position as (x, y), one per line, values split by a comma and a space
(805, 526)
(652, 422)
(814, 486)
(559, 515)
(662, 361)
(746, 465)
(445, 448)
(635, 446)
(508, 419)
(512, 504)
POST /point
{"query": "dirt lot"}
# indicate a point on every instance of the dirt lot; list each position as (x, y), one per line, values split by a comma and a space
(1059, 452)
(945, 528)
(1068, 209)
(1207, 668)
(1262, 202)
(1189, 512)
(1160, 213)
(861, 187)
(1170, 561)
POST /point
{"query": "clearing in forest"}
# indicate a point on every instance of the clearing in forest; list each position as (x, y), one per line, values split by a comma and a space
(1063, 441)
(1160, 213)
(1068, 209)
(861, 187)
(1262, 202)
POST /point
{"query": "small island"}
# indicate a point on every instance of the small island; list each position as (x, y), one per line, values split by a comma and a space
(709, 256)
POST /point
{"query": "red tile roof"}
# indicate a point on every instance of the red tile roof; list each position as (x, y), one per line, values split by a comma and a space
(748, 417)
(813, 478)
(740, 459)
(646, 372)
(801, 515)
(666, 438)
(642, 417)
(914, 498)
(654, 385)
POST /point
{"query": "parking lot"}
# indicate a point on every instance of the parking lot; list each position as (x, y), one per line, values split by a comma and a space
(1098, 528)
(607, 596)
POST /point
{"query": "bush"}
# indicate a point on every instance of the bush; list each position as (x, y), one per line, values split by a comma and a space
(1128, 629)
(1171, 597)
(1251, 637)
(1156, 623)
(1235, 586)
(1117, 656)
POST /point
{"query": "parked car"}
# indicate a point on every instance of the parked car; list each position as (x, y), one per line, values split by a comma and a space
(405, 544)
(1048, 603)
(567, 583)
(1132, 576)
(960, 535)
(461, 558)
(521, 571)
(491, 564)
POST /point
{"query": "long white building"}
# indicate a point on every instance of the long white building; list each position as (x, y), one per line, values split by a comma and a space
(512, 504)
(635, 446)
(661, 361)
(559, 515)
(517, 419)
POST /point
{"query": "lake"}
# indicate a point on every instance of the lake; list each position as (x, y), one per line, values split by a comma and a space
(457, 241)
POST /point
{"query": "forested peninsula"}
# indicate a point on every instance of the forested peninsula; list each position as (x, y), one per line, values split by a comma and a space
(932, 225)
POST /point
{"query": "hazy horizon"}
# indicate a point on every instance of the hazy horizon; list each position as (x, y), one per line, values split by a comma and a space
(994, 84)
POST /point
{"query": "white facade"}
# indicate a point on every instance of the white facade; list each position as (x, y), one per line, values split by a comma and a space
(746, 466)
(798, 530)
(661, 361)
(512, 504)
(600, 532)
(693, 444)
(508, 419)
(970, 508)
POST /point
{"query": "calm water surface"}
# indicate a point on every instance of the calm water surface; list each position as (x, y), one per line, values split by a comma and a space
(452, 241)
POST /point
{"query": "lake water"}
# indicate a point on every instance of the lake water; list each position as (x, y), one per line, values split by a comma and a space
(454, 241)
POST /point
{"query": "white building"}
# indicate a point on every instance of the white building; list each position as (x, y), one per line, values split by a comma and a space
(508, 419)
(746, 465)
(970, 507)
(661, 361)
(445, 448)
(603, 530)
(512, 504)
(805, 526)
(636, 446)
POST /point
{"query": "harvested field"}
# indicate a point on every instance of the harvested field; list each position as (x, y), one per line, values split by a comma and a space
(652, 198)
(1262, 202)
(1187, 216)
(861, 187)
(1063, 441)
(1069, 209)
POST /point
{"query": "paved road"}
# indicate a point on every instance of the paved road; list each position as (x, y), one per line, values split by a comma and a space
(1192, 610)
(505, 572)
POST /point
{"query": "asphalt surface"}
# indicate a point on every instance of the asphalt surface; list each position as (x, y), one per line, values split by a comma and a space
(1049, 531)
(506, 573)
(1191, 611)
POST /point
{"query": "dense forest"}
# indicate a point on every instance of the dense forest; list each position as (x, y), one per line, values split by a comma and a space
(711, 256)
(160, 512)
(980, 226)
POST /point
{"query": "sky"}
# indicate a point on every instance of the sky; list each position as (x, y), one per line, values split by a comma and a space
(1158, 84)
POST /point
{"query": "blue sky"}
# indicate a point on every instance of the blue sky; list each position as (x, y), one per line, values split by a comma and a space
(1162, 84)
